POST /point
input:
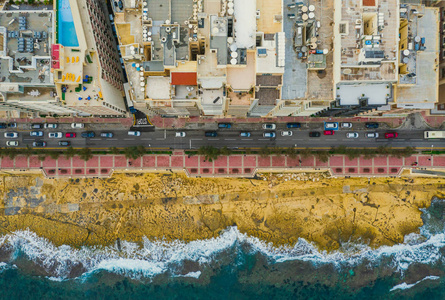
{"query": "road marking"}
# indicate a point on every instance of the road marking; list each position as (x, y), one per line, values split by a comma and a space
(230, 139)
(160, 139)
(112, 139)
(213, 139)
(146, 139)
(128, 139)
(264, 139)
(95, 139)
(247, 139)
(416, 139)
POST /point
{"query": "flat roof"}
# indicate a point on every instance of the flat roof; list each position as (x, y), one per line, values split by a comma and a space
(184, 78)
(350, 94)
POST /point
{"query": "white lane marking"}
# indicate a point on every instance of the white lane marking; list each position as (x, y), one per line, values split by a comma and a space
(160, 139)
(230, 139)
(146, 139)
(247, 139)
(264, 139)
(213, 139)
(112, 139)
(95, 139)
(128, 139)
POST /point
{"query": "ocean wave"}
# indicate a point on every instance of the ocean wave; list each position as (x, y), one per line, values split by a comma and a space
(405, 286)
(154, 257)
(196, 274)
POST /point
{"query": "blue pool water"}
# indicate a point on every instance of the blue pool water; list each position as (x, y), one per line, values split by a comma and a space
(66, 31)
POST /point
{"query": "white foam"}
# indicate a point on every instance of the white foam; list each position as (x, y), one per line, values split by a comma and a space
(405, 286)
(196, 275)
(156, 257)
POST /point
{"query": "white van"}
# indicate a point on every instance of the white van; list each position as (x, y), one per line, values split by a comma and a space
(134, 133)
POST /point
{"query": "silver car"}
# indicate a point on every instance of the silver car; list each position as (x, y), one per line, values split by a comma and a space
(372, 135)
(352, 135)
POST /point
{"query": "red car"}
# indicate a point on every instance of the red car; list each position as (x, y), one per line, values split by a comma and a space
(328, 132)
(391, 135)
(70, 135)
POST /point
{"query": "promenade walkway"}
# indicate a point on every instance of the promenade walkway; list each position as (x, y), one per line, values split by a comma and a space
(234, 165)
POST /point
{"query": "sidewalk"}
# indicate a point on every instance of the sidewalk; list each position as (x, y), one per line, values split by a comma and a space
(234, 165)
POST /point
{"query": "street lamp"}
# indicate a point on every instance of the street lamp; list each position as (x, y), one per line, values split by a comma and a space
(432, 150)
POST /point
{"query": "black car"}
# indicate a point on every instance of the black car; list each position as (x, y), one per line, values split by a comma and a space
(314, 134)
(39, 144)
(372, 125)
(36, 126)
(224, 125)
(211, 134)
(3, 125)
(88, 134)
(293, 125)
(64, 143)
(12, 125)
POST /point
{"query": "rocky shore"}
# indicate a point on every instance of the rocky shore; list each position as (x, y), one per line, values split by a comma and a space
(277, 208)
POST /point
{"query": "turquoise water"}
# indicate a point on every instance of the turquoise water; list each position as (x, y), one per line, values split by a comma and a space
(66, 33)
(232, 266)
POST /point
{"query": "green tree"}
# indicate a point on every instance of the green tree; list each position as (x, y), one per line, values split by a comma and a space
(28, 151)
(70, 152)
(210, 153)
(322, 155)
(141, 150)
(114, 150)
(131, 152)
(85, 154)
(42, 157)
(305, 153)
(409, 151)
(54, 154)
(264, 151)
(225, 151)
(291, 152)
(11, 153)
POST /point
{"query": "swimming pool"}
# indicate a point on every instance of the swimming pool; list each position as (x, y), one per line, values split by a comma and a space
(66, 32)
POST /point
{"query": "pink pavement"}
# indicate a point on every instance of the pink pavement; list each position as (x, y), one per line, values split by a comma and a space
(235, 165)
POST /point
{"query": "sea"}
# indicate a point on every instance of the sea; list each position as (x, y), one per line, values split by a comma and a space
(230, 266)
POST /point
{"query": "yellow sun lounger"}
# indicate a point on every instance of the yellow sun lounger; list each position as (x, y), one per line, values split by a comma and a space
(67, 60)
(77, 58)
(63, 78)
(78, 79)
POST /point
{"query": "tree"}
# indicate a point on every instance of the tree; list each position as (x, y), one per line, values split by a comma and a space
(264, 151)
(409, 151)
(86, 154)
(70, 152)
(54, 154)
(28, 151)
(141, 150)
(322, 155)
(42, 157)
(291, 152)
(131, 152)
(225, 151)
(305, 153)
(114, 150)
(210, 153)
(11, 153)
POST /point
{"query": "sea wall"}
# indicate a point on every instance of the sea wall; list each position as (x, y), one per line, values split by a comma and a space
(279, 208)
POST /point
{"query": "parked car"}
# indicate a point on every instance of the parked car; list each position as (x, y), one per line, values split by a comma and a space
(372, 134)
(36, 126)
(39, 144)
(372, 125)
(269, 126)
(180, 134)
(134, 133)
(12, 125)
(77, 125)
(352, 135)
(3, 125)
(391, 135)
(346, 125)
(70, 135)
(64, 143)
(293, 125)
(55, 135)
(328, 132)
(286, 133)
(269, 134)
(331, 125)
(88, 134)
(50, 125)
(36, 133)
(244, 134)
(12, 143)
(106, 134)
(211, 134)
(11, 135)
(224, 125)
(314, 134)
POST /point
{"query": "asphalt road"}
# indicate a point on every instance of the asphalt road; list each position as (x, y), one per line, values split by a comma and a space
(160, 138)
